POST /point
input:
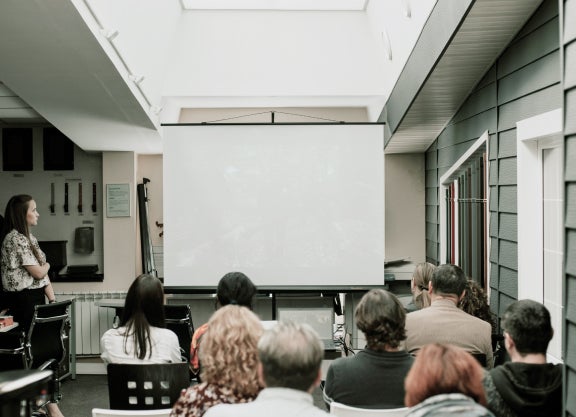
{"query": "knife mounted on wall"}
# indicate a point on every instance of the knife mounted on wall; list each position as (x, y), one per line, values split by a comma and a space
(79, 197)
(65, 197)
(94, 197)
(52, 205)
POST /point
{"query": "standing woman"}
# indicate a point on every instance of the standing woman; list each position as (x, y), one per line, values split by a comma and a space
(24, 267)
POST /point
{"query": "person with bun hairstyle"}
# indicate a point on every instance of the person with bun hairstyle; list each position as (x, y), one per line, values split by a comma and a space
(233, 288)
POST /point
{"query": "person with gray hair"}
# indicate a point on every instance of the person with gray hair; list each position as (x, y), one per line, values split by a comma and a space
(290, 357)
(443, 322)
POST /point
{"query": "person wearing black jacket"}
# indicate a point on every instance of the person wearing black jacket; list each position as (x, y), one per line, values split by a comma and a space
(528, 385)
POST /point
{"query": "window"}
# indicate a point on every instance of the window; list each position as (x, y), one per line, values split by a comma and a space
(464, 213)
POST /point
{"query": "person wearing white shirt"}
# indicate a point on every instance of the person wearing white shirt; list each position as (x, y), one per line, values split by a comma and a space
(141, 337)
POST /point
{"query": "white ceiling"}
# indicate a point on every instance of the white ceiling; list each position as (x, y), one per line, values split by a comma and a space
(107, 73)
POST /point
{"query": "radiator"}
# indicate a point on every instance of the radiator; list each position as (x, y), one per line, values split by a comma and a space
(90, 321)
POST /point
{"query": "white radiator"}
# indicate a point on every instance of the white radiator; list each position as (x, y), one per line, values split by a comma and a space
(89, 320)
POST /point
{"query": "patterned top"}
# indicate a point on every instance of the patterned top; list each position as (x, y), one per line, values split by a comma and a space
(196, 400)
(16, 253)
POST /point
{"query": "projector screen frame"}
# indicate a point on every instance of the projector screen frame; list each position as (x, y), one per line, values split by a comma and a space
(278, 289)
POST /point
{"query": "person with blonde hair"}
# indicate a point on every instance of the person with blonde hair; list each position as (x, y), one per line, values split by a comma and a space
(419, 286)
(445, 380)
(290, 357)
(229, 357)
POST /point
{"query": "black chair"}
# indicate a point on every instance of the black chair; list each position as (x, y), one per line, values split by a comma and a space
(146, 386)
(481, 358)
(43, 347)
(179, 320)
(20, 390)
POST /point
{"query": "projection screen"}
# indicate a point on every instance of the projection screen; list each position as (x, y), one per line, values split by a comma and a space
(291, 206)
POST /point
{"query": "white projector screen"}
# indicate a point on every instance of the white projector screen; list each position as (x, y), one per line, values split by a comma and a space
(291, 206)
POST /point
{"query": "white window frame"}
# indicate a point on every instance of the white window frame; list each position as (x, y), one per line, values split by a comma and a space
(543, 131)
(480, 146)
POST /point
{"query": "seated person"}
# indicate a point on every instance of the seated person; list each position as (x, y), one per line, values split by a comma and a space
(374, 377)
(229, 363)
(443, 322)
(233, 288)
(290, 357)
(526, 386)
(475, 302)
(142, 336)
(419, 286)
(445, 381)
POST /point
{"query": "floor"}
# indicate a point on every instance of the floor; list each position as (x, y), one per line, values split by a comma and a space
(86, 392)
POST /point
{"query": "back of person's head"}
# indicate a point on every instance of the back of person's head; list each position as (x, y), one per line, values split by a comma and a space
(229, 353)
(443, 369)
(15, 215)
(236, 288)
(475, 302)
(381, 317)
(528, 324)
(421, 277)
(448, 279)
(143, 307)
(291, 355)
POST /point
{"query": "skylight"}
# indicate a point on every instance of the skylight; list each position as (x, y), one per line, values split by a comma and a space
(308, 5)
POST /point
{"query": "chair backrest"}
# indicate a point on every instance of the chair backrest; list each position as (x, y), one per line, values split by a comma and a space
(146, 386)
(46, 333)
(481, 358)
(101, 412)
(12, 351)
(179, 320)
(343, 410)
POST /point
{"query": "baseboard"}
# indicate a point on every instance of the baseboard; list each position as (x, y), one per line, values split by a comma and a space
(90, 368)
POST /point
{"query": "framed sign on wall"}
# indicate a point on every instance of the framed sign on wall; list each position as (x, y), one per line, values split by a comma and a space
(117, 200)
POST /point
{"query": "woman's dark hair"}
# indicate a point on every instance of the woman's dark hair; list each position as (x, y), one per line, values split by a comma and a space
(15, 219)
(144, 307)
(475, 302)
(382, 318)
(236, 288)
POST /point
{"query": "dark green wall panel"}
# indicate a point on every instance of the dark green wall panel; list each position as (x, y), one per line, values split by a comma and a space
(547, 11)
(570, 156)
(536, 44)
(493, 224)
(570, 111)
(571, 387)
(431, 196)
(569, 19)
(571, 301)
(432, 232)
(508, 254)
(539, 102)
(570, 250)
(432, 214)
(507, 143)
(541, 74)
(493, 198)
(493, 147)
(494, 250)
(508, 283)
(431, 249)
(507, 199)
(507, 171)
(508, 227)
(448, 156)
(570, 215)
(488, 78)
(432, 178)
(570, 58)
(431, 160)
(468, 129)
(478, 102)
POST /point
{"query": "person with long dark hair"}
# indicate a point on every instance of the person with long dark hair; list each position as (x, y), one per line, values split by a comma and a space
(142, 336)
(24, 268)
